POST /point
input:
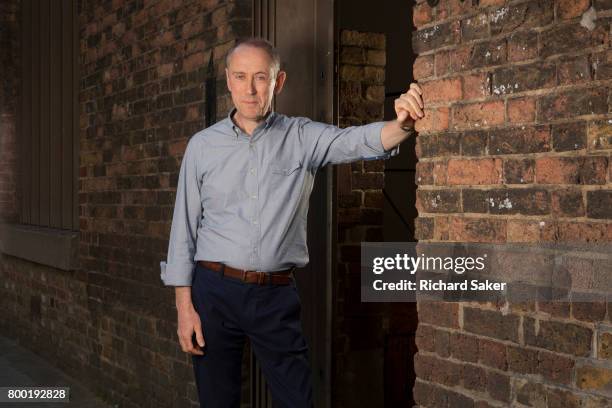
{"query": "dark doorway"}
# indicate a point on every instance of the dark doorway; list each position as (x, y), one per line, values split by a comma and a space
(393, 18)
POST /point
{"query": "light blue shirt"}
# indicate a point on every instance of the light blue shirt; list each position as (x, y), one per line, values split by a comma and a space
(243, 200)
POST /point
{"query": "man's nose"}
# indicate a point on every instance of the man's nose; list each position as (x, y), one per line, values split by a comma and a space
(252, 88)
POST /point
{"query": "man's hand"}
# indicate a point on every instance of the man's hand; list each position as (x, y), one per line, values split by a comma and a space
(409, 106)
(188, 323)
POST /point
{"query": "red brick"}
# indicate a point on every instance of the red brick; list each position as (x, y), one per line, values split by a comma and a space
(443, 314)
(519, 171)
(457, 7)
(478, 115)
(556, 336)
(523, 15)
(441, 228)
(522, 45)
(530, 394)
(423, 228)
(474, 377)
(498, 386)
(568, 104)
(492, 354)
(605, 346)
(474, 171)
(571, 170)
(595, 378)
(474, 143)
(464, 347)
(423, 67)
(514, 79)
(555, 368)
(519, 139)
(441, 90)
(430, 38)
(567, 203)
(437, 145)
(521, 360)
(435, 119)
(558, 398)
(424, 337)
(491, 324)
(574, 71)
(591, 311)
(429, 395)
(442, 63)
(422, 14)
(600, 134)
(440, 173)
(424, 173)
(599, 204)
(576, 231)
(475, 27)
(477, 230)
(476, 86)
(568, 9)
(569, 136)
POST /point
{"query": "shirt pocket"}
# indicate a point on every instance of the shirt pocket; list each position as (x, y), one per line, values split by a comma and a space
(285, 169)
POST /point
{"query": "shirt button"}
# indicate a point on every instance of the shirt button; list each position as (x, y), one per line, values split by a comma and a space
(255, 222)
(254, 196)
(252, 171)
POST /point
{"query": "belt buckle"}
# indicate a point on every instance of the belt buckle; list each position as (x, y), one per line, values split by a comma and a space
(243, 275)
(261, 277)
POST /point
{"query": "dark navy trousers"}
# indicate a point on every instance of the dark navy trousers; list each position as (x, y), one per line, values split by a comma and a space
(231, 310)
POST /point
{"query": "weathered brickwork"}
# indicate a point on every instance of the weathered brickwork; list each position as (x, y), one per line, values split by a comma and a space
(143, 66)
(514, 147)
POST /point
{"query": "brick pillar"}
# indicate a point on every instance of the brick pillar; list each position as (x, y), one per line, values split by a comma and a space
(515, 146)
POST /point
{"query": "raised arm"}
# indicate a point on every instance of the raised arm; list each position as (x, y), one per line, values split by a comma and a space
(329, 144)
(379, 140)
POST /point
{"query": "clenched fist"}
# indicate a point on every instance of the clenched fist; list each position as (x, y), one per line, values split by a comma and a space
(409, 106)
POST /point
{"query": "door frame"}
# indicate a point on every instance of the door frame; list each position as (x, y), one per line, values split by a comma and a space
(312, 38)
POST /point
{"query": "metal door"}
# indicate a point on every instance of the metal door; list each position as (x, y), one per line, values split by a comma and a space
(303, 32)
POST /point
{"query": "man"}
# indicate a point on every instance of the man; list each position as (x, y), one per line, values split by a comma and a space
(239, 227)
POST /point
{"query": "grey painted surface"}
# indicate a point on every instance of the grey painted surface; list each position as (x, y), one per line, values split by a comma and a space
(21, 367)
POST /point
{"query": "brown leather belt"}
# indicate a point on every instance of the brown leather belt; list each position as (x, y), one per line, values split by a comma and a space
(261, 278)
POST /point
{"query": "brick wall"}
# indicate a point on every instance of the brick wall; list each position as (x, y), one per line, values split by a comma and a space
(517, 97)
(112, 324)
(9, 46)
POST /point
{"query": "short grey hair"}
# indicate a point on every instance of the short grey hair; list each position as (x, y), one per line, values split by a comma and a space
(260, 43)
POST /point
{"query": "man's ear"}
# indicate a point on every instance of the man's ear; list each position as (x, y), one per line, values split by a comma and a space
(227, 81)
(280, 81)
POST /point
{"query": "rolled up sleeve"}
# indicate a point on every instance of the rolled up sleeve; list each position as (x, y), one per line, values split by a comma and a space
(177, 270)
(331, 144)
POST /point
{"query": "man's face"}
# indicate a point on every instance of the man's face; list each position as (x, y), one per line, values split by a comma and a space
(251, 82)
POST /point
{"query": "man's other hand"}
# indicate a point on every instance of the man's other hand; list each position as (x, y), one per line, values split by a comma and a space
(409, 106)
(188, 323)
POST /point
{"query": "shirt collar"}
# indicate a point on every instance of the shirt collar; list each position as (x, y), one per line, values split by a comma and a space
(267, 122)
